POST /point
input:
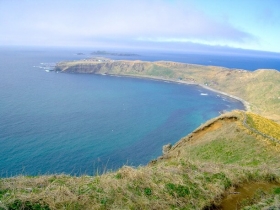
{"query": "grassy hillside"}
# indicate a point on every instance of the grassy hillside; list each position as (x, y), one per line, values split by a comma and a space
(198, 172)
(260, 88)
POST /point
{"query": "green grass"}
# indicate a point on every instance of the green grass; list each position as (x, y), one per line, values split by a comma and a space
(27, 205)
(276, 190)
(177, 190)
(161, 71)
(246, 151)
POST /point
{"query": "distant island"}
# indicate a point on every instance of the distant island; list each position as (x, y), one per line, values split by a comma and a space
(103, 53)
(100, 52)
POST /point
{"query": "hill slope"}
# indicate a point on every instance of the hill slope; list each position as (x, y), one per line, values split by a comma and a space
(195, 173)
(260, 88)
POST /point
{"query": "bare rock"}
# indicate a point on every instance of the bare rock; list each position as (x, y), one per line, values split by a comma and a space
(166, 148)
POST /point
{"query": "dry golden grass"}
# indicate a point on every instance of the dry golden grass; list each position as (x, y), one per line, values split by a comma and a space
(264, 125)
(166, 186)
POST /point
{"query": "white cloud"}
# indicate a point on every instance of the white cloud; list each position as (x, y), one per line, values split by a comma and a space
(85, 21)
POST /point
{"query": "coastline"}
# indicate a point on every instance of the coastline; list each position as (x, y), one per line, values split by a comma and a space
(234, 84)
(245, 103)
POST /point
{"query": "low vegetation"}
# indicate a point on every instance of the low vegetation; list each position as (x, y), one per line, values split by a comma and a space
(196, 173)
(264, 125)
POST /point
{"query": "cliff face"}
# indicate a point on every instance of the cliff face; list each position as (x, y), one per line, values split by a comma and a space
(260, 88)
(110, 67)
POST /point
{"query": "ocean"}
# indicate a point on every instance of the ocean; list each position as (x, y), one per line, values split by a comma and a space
(87, 124)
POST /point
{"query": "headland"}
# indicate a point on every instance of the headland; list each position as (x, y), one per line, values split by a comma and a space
(257, 90)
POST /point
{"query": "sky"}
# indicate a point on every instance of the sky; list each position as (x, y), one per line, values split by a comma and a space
(189, 25)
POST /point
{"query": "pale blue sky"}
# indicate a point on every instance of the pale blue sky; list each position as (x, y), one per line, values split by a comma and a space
(159, 24)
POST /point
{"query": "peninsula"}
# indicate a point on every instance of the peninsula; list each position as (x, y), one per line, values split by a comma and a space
(259, 90)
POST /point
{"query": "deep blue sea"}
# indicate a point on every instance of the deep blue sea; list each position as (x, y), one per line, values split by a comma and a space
(80, 124)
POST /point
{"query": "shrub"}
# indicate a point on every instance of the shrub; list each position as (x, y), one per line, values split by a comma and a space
(179, 190)
(148, 191)
(27, 205)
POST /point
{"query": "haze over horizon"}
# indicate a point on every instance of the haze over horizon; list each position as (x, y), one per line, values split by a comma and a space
(177, 25)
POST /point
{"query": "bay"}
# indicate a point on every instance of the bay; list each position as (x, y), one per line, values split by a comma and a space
(87, 124)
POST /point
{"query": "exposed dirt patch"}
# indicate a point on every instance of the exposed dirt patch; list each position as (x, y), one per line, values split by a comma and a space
(210, 127)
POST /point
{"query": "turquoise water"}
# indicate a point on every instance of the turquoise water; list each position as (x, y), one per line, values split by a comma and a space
(81, 124)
